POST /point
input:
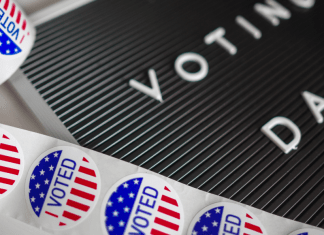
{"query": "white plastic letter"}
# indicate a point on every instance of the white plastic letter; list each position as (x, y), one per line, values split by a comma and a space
(286, 148)
(154, 92)
(217, 36)
(272, 11)
(315, 104)
(304, 3)
(193, 57)
(250, 28)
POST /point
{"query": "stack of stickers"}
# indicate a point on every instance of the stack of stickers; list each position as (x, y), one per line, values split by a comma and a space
(63, 187)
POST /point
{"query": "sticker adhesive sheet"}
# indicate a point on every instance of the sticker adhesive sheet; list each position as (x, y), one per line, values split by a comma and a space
(112, 175)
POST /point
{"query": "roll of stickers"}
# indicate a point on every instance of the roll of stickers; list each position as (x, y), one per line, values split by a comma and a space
(17, 36)
(67, 189)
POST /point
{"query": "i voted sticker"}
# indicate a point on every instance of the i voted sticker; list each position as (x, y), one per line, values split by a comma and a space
(142, 204)
(62, 187)
(11, 163)
(14, 31)
(307, 231)
(226, 219)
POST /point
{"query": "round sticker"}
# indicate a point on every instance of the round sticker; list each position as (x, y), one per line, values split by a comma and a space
(15, 34)
(11, 163)
(307, 231)
(142, 204)
(226, 218)
(62, 187)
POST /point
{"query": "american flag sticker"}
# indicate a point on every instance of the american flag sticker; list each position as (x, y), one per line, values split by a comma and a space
(308, 231)
(62, 187)
(14, 30)
(11, 163)
(142, 204)
(226, 218)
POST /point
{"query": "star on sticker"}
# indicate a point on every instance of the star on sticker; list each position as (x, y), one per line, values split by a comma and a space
(215, 224)
(115, 213)
(29, 190)
(126, 209)
(217, 211)
(194, 233)
(207, 215)
(121, 223)
(32, 199)
(46, 159)
(125, 185)
(16, 50)
(46, 181)
(131, 195)
(0, 34)
(8, 42)
(32, 177)
(136, 181)
(204, 228)
(7, 51)
(37, 185)
(42, 195)
(120, 199)
(109, 203)
(0, 43)
(37, 209)
(55, 154)
(51, 168)
(42, 172)
(110, 228)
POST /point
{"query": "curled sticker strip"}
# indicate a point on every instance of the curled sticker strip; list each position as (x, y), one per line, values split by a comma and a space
(11, 163)
(62, 187)
(225, 218)
(142, 204)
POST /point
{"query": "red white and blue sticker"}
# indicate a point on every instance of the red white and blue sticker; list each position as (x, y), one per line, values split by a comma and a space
(142, 204)
(11, 163)
(62, 187)
(14, 32)
(307, 231)
(226, 218)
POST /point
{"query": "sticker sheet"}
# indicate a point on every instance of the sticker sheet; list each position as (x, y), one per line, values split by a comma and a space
(67, 189)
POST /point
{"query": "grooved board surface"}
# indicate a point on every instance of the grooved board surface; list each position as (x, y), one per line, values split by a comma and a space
(205, 134)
